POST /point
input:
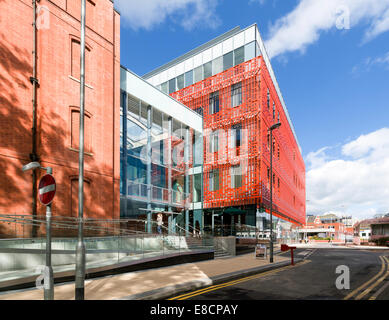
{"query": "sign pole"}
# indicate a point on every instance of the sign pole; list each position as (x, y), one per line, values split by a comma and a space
(48, 287)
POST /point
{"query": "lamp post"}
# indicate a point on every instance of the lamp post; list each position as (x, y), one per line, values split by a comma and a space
(273, 127)
(80, 249)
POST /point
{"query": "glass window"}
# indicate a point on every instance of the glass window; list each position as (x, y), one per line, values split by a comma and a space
(157, 121)
(133, 106)
(213, 142)
(172, 85)
(214, 180)
(238, 56)
(143, 113)
(207, 69)
(198, 149)
(180, 82)
(164, 87)
(217, 65)
(236, 94)
(249, 51)
(274, 111)
(198, 74)
(268, 99)
(188, 78)
(236, 177)
(197, 184)
(228, 60)
(214, 102)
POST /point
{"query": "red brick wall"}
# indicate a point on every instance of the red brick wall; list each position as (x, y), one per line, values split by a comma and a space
(57, 95)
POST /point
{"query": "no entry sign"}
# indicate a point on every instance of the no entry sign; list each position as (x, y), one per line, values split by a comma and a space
(47, 189)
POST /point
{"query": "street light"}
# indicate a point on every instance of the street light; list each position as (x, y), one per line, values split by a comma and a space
(273, 127)
(80, 249)
(48, 287)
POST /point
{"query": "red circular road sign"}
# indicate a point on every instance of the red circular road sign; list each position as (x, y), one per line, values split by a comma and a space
(46, 190)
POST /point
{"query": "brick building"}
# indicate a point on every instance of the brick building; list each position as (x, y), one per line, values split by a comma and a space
(57, 105)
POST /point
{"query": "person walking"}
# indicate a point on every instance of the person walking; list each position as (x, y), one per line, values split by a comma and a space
(159, 223)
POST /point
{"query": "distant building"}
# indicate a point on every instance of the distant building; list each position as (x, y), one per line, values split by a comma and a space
(324, 228)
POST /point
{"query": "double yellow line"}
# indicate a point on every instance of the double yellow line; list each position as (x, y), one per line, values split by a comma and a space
(231, 283)
(368, 286)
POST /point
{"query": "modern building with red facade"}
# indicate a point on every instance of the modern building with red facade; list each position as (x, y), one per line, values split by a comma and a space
(45, 86)
(231, 83)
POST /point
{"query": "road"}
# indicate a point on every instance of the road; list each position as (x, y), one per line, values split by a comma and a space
(313, 279)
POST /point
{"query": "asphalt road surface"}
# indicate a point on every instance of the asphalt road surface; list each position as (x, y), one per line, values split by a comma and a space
(312, 279)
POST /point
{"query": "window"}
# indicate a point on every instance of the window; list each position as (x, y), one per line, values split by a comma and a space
(228, 60)
(268, 99)
(75, 130)
(214, 180)
(214, 102)
(180, 82)
(164, 87)
(172, 85)
(274, 111)
(249, 51)
(268, 140)
(278, 152)
(188, 78)
(207, 69)
(198, 74)
(238, 56)
(278, 117)
(217, 65)
(236, 136)
(236, 177)
(199, 110)
(236, 94)
(133, 105)
(75, 60)
(214, 142)
(278, 184)
(268, 174)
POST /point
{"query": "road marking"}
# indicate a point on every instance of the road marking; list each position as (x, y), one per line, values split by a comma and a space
(364, 293)
(363, 286)
(234, 282)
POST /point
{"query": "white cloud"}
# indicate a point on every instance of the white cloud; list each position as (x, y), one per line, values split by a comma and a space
(356, 183)
(187, 13)
(369, 63)
(303, 26)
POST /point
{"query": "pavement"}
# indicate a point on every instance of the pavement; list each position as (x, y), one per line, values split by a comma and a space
(160, 283)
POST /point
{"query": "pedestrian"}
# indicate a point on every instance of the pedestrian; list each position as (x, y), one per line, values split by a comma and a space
(159, 223)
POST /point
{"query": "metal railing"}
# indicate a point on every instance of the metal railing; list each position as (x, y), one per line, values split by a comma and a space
(108, 242)
(158, 194)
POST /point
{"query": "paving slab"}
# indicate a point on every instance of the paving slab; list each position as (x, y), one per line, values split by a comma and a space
(160, 282)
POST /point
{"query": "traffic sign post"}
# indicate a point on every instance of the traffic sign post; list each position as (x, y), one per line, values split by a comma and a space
(46, 190)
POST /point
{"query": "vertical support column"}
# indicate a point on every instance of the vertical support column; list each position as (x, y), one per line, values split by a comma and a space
(148, 174)
(124, 163)
(171, 221)
(186, 158)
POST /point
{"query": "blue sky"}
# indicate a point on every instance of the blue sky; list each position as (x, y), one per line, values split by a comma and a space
(331, 59)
